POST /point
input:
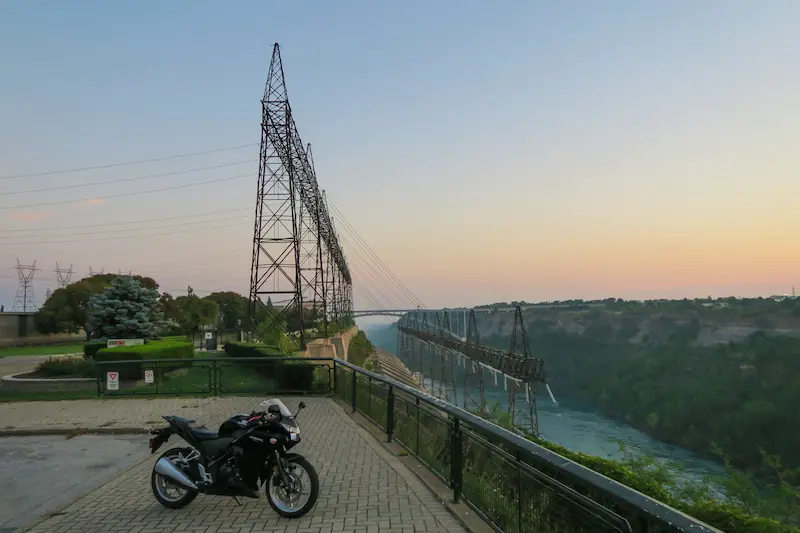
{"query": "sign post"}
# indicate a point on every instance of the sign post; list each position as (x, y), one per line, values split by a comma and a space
(112, 380)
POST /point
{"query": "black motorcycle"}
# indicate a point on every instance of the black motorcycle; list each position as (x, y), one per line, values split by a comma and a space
(247, 450)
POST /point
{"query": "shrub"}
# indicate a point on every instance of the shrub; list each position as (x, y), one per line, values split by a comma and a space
(359, 349)
(152, 350)
(288, 375)
(92, 347)
(62, 367)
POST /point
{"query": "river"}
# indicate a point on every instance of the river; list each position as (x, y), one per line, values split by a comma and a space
(593, 434)
(588, 432)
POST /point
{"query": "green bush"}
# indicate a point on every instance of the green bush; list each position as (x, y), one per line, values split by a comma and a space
(251, 349)
(92, 347)
(288, 375)
(62, 367)
(152, 350)
(359, 349)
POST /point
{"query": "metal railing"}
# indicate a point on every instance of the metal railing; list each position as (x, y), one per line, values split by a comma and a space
(514, 484)
(215, 376)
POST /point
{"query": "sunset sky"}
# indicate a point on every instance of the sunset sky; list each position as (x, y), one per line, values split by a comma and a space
(485, 151)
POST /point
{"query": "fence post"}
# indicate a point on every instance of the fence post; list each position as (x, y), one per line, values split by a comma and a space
(214, 378)
(353, 391)
(390, 414)
(456, 460)
(99, 381)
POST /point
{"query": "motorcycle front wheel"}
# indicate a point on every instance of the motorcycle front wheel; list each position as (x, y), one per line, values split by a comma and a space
(300, 496)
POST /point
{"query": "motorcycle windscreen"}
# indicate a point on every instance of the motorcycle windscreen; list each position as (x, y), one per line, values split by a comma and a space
(274, 401)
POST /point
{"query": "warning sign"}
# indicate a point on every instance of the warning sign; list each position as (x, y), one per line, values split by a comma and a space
(112, 380)
(148, 376)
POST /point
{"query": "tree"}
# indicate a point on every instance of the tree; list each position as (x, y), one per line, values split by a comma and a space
(232, 309)
(125, 310)
(192, 312)
(66, 311)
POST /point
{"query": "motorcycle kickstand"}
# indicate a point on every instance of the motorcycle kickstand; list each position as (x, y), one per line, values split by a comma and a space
(237, 500)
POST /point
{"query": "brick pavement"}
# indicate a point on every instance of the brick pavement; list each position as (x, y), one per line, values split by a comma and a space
(364, 489)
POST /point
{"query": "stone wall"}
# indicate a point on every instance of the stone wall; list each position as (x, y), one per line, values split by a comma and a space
(335, 346)
(19, 329)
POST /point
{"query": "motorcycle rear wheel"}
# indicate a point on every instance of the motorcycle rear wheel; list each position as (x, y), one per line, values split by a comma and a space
(277, 496)
(160, 484)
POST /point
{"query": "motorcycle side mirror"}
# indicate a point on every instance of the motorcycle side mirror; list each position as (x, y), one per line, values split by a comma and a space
(302, 405)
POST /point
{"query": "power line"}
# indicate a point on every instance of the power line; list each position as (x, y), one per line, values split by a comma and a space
(124, 180)
(106, 224)
(127, 163)
(101, 232)
(375, 256)
(22, 243)
(146, 191)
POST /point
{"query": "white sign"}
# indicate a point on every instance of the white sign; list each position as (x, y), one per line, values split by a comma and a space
(209, 335)
(112, 343)
(148, 376)
(112, 380)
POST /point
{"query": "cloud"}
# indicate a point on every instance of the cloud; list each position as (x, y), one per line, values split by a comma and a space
(96, 201)
(28, 216)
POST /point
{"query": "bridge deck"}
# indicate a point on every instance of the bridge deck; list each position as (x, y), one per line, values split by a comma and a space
(364, 489)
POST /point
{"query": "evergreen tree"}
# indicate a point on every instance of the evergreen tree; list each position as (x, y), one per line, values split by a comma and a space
(125, 310)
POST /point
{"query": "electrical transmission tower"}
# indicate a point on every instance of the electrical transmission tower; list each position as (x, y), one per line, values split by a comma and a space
(24, 301)
(525, 372)
(516, 370)
(474, 385)
(446, 361)
(64, 275)
(94, 272)
(296, 251)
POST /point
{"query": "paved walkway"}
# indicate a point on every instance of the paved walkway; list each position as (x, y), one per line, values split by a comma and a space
(364, 489)
(16, 364)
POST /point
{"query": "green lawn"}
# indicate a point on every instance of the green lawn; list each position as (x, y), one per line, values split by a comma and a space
(54, 349)
(13, 396)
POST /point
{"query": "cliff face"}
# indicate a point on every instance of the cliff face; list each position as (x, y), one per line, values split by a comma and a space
(647, 326)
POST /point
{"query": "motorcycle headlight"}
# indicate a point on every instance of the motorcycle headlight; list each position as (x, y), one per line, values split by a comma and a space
(294, 431)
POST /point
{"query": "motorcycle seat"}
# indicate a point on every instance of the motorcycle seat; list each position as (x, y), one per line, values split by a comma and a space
(203, 433)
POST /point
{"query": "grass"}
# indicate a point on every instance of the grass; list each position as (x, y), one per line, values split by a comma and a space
(51, 349)
(195, 380)
(15, 396)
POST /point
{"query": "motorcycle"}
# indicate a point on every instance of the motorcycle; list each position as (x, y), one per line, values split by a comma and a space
(247, 450)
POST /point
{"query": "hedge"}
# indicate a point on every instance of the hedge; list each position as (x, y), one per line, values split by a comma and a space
(92, 347)
(152, 350)
(287, 375)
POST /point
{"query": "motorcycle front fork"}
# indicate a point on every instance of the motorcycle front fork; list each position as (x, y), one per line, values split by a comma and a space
(280, 465)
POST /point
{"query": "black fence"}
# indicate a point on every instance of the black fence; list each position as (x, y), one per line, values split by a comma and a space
(215, 376)
(511, 482)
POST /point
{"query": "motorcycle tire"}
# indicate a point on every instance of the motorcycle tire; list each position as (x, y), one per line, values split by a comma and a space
(169, 503)
(303, 463)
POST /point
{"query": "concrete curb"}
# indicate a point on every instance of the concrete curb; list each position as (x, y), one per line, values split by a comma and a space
(30, 432)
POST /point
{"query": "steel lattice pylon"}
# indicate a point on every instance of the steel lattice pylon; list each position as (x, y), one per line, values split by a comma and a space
(24, 301)
(297, 258)
(474, 385)
(519, 370)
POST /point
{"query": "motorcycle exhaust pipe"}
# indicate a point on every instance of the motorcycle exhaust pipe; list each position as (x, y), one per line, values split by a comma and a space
(165, 467)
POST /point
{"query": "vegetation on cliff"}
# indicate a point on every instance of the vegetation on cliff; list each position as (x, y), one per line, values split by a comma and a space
(740, 397)
(360, 348)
